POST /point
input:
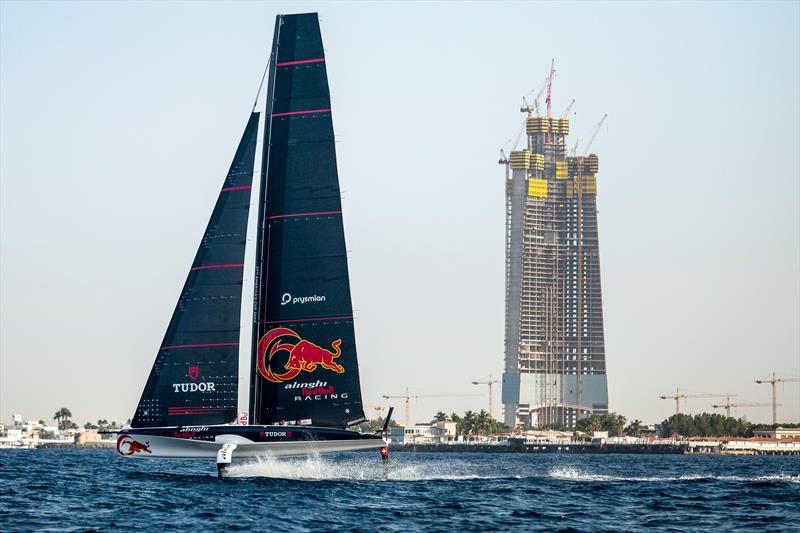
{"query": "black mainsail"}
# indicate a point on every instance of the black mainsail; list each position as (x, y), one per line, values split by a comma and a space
(194, 379)
(304, 354)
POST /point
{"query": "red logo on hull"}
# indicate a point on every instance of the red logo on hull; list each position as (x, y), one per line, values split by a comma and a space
(304, 356)
(127, 446)
(194, 371)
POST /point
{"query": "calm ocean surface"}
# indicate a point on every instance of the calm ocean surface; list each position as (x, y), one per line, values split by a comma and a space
(78, 490)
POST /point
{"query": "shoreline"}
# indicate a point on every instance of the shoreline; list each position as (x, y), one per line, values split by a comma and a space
(587, 449)
(73, 446)
(541, 448)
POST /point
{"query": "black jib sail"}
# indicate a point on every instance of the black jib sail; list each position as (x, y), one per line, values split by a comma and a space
(194, 379)
(304, 352)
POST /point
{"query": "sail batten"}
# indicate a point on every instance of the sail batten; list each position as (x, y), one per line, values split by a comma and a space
(304, 353)
(194, 379)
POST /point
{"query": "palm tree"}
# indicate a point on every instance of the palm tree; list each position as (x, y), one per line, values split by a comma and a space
(457, 419)
(613, 423)
(62, 416)
(468, 423)
(635, 428)
(589, 424)
(440, 417)
(483, 423)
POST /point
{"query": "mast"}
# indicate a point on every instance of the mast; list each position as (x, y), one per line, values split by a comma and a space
(261, 250)
(304, 365)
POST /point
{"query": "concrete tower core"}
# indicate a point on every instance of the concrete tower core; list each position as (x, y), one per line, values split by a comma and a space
(555, 368)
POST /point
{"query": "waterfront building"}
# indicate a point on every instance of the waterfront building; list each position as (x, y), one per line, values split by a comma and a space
(555, 361)
(88, 437)
(436, 433)
(777, 433)
(14, 435)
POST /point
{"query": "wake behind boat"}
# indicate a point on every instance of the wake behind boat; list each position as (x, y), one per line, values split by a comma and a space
(297, 390)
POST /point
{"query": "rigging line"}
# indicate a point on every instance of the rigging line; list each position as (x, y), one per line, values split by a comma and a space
(261, 84)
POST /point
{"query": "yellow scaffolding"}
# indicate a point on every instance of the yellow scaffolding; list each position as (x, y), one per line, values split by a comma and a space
(537, 187)
(537, 162)
(520, 159)
(558, 125)
(561, 170)
(588, 186)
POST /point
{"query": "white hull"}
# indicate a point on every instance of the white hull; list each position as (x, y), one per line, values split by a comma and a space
(158, 446)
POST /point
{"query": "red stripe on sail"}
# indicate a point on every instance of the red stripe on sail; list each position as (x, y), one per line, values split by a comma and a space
(306, 214)
(300, 62)
(301, 112)
(200, 345)
(197, 408)
(199, 411)
(237, 188)
(232, 265)
(289, 321)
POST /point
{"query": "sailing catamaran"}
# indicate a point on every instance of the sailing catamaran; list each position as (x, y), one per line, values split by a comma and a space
(297, 390)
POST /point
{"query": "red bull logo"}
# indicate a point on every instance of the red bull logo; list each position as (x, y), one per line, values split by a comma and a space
(303, 356)
(127, 446)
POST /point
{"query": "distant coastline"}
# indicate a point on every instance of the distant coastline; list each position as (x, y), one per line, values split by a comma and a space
(689, 447)
(106, 444)
(692, 446)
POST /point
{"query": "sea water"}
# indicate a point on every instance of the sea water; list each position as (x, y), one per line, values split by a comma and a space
(78, 490)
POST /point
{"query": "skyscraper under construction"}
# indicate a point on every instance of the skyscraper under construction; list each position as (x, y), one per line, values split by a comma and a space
(555, 367)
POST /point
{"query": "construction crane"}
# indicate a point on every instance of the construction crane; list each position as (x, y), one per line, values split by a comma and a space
(503, 159)
(516, 142)
(519, 135)
(407, 397)
(727, 406)
(677, 397)
(491, 382)
(575, 148)
(569, 108)
(548, 100)
(526, 108)
(774, 380)
(594, 135)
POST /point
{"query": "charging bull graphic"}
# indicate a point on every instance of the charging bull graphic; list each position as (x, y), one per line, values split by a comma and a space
(127, 446)
(304, 356)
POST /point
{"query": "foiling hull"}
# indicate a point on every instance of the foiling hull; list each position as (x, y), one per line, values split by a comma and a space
(250, 441)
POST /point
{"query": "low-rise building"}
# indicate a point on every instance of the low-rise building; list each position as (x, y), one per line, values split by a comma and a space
(447, 428)
(437, 433)
(14, 434)
(777, 433)
(534, 436)
(743, 445)
(86, 437)
(759, 446)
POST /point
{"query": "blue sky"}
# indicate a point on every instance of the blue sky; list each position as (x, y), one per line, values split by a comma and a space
(118, 122)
